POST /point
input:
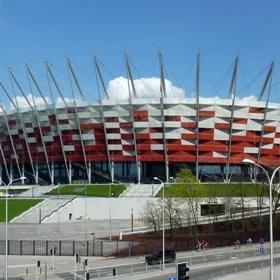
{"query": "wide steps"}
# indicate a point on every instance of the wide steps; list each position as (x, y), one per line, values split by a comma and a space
(142, 190)
(37, 213)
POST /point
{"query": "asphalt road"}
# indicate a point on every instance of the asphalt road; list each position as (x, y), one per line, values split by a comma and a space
(220, 270)
(217, 261)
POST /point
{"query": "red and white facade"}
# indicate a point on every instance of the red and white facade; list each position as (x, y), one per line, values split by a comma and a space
(139, 131)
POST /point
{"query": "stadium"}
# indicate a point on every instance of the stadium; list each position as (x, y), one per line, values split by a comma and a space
(136, 138)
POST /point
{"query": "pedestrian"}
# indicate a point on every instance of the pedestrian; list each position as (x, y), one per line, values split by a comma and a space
(198, 246)
(237, 244)
(204, 245)
(261, 246)
(249, 241)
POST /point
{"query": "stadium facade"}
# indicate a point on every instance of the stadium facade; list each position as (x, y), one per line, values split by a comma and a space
(135, 139)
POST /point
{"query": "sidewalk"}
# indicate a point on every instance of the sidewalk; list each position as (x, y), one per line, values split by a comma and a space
(262, 274)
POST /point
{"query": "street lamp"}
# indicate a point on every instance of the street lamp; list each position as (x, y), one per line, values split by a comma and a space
(270, 181)
(110, 212)
(163, 222)
(6, 222)
(93, 237)
(131, 219)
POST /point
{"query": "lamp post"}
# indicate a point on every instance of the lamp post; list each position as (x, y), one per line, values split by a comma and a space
(131, 219)
(93, 237)
(163, 223)
(110, 212)
(58, 199)
(6, 221)
(270, 181)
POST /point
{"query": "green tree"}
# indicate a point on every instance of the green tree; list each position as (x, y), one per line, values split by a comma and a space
(192, 196)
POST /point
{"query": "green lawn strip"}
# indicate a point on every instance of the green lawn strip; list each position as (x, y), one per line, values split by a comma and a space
(15, 207)
(88, 190)
(216, 190)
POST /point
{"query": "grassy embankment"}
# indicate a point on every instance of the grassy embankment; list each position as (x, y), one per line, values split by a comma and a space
(15, 207)
(89, 190)
(216, 190)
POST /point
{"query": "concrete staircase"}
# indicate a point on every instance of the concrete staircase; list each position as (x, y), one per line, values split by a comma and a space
(141, 190)
(36, 191)
(42, 210)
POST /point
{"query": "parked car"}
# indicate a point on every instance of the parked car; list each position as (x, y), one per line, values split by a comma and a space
(156, 257)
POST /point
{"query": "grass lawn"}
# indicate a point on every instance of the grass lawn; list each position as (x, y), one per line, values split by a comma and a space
(89, 190)
(216, 190)
(15, 207)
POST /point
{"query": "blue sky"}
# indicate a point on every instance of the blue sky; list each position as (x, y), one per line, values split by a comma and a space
(32, 30)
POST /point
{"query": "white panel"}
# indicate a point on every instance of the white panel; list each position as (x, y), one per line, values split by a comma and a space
(223, 112)
(267, 146)
(171, 135)
(220, 135)
(88, 137)
(172, 124)
(68, 148)
(251, 150)
(219, 155)
(239, 126)
(256, 116)
(111, 114)
(269, 135)
(47, 138)
(113, 136)
(252, 125)
(127, 141)
(112, 125)
(114, 147)
(207, 123)
(188, 111)
(157, 147)
(187, 142)
(239, 133)
(128, 153)
(156, 135)
(141, 124)
(43, 118)
(189, 131)
(84, 115)
(155, 123)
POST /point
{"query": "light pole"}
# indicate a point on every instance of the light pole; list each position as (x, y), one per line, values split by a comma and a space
(163, 223)
(270, 181)
(110, 212)
(131, 219)
(93, 237)
(58, 199)
(6, 221)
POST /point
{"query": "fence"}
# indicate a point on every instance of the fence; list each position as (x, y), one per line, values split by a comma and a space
(64, 247)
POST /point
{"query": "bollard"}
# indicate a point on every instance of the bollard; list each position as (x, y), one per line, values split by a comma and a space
(26, 271)
(146, 267)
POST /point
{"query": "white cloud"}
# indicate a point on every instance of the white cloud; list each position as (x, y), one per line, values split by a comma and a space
(247, 98)
(145, 88)
(22, 103)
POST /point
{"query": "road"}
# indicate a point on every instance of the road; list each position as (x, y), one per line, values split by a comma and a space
(216, 261)
(219, 270)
